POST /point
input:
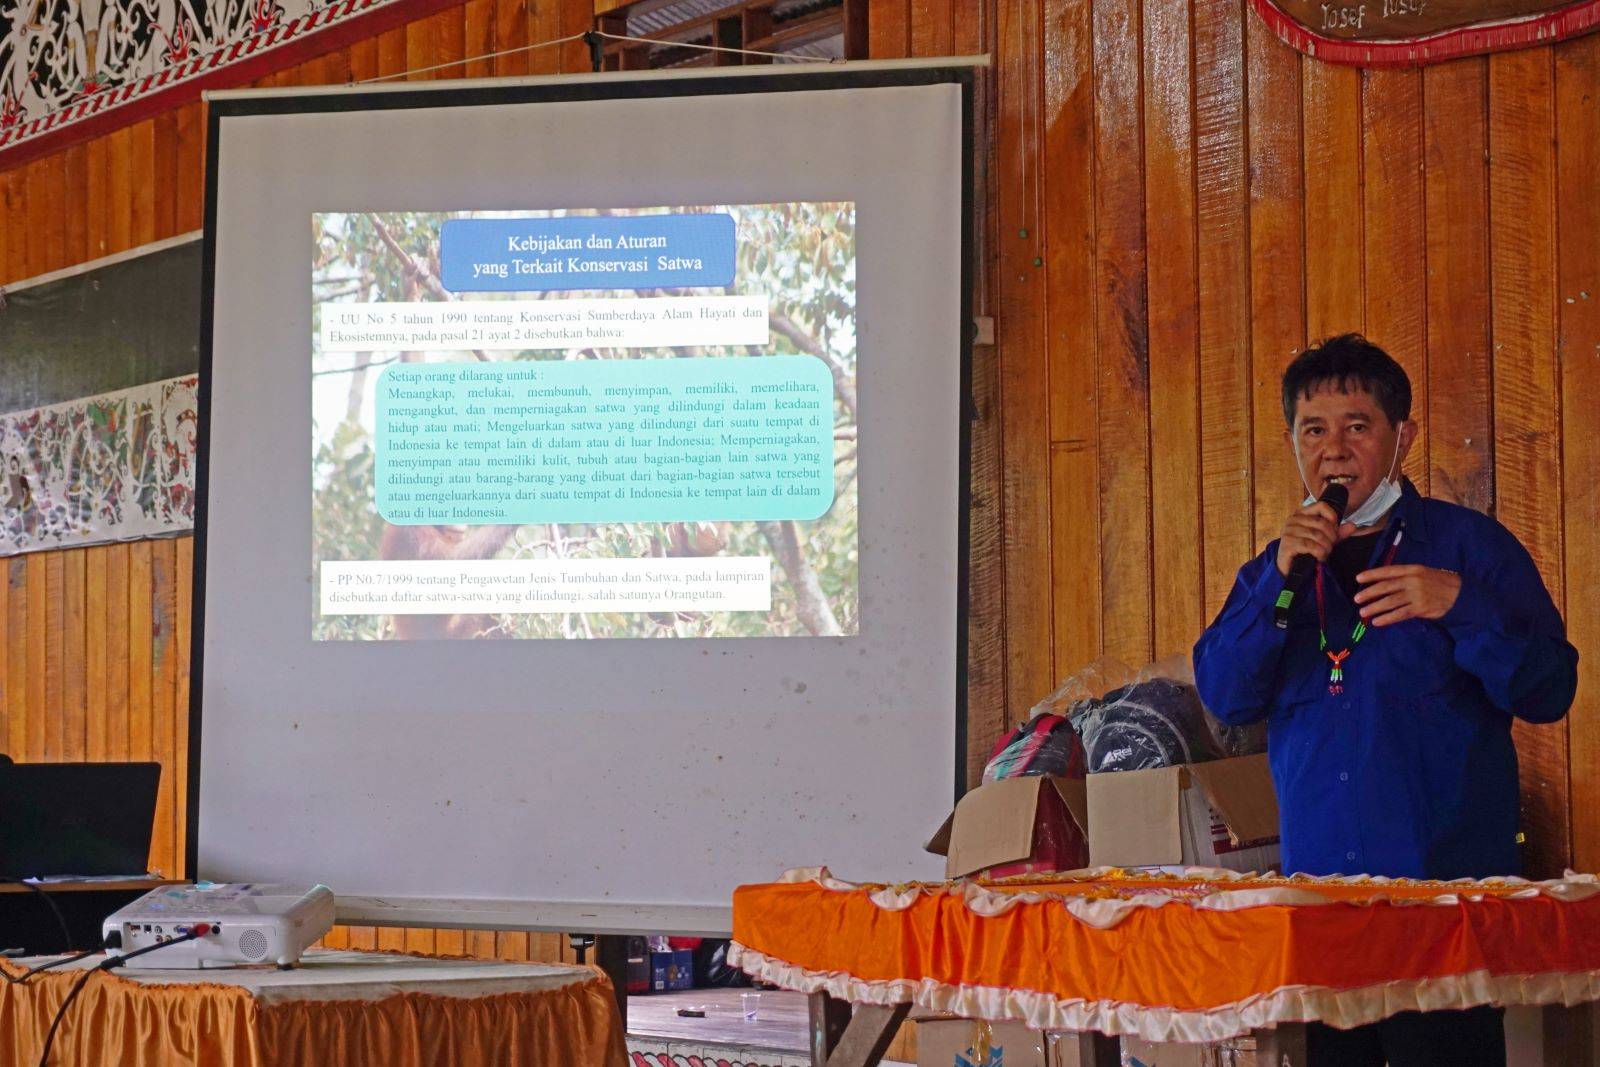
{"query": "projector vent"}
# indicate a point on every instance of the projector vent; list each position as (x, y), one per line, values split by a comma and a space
(252, 944)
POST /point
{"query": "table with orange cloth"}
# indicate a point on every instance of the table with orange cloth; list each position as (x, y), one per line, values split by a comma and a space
(337, 1007)
(1203, 956)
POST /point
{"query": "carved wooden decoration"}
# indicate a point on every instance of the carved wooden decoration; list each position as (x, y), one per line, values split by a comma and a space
(1389, 33)
(72, 69)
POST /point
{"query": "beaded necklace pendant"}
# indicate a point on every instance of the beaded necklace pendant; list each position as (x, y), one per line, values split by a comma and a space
(1336, 671)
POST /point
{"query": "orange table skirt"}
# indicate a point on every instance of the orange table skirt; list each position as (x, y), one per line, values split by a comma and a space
(1203, 957)
(137, 1024)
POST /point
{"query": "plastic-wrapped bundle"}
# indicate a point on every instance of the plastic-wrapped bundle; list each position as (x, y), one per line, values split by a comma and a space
(1151, 717)
(1046, 744)
(1152, 723)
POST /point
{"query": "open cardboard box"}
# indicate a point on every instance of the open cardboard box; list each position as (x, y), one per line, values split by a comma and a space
(1218, 814)
(993, 825)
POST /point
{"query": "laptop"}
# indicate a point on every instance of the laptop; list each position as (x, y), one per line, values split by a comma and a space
(76, 819)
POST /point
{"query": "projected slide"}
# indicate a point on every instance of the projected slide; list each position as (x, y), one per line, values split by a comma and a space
(585, 424)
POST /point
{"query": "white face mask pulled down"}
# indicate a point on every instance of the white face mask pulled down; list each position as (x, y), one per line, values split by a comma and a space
(1376, 506)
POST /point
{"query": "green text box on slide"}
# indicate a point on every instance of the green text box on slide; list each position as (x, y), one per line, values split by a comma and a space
(620, 440)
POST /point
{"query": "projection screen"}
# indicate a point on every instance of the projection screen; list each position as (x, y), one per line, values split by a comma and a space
(583, 486)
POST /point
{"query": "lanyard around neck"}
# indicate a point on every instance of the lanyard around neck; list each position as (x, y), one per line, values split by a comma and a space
(1360, 629)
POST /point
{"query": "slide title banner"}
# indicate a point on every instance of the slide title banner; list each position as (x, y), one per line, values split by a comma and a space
(587, 252)
(609, 440)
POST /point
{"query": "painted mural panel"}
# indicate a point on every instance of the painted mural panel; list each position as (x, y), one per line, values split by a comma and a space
(112, 467)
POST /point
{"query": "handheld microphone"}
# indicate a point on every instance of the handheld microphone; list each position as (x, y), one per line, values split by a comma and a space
(1338, 497)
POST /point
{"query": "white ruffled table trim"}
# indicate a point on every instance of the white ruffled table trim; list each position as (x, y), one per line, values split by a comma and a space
(1290, 1004)
(1104, 913)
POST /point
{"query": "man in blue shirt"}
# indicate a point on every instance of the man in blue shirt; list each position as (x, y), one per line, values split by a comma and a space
(1389, 698)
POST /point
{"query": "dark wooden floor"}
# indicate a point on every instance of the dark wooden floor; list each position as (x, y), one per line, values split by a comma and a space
(780, 1023)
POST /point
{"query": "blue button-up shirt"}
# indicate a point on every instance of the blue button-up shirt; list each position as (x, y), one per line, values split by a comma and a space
(1410, 771)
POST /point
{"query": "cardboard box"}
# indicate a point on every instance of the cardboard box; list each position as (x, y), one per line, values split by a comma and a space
(951, 1041)
(1218, 814)
(681, 973)
(671, 970)
(1239, 1052)
(1223, 813)
(994, 825)
(948, 1041)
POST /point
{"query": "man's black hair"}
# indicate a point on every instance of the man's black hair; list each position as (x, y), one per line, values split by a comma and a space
(1350, 362)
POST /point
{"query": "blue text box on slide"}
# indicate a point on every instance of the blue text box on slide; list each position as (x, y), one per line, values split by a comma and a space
(621, 440)
(587, 252)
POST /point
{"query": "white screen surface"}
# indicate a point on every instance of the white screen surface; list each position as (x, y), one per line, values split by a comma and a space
(648, 772)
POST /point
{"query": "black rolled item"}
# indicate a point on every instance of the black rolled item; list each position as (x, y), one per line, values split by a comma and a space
(1155, 723)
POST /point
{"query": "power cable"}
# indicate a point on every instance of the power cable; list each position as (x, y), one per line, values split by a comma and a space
(197, 931)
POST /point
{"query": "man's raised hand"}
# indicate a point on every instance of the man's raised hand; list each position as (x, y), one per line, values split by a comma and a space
(1406, 591)
(1312, 531)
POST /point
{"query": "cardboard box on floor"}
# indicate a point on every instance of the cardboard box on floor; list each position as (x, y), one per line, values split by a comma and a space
(1218, 814)
(1137, 1053)
(951, 1041)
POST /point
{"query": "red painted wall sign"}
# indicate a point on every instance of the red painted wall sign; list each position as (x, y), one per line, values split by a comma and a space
(1390, 33)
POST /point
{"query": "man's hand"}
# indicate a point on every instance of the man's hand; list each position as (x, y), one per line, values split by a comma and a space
(1407, 591)
(1310, 531)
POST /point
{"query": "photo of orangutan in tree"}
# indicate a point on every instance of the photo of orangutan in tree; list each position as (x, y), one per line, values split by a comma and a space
(631, 398)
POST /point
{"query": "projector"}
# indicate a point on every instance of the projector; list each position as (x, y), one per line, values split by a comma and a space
(245, 923)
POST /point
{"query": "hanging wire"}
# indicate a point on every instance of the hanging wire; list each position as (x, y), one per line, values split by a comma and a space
(589, 36)
(472, 59)
(717, 48)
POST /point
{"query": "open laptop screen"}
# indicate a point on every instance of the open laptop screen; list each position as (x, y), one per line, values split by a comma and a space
(90, 819)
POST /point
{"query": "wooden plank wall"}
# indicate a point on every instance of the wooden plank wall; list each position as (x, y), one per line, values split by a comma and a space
(1172, 203)
(96, 640)
(1183, 204)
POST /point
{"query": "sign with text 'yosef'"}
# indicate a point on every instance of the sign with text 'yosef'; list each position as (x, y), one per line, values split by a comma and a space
(1378, 33)
(541, 254)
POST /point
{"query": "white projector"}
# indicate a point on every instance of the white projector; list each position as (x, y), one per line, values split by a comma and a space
(244, 923)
